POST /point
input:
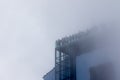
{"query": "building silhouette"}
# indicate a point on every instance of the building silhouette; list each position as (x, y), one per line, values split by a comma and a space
(82, 56)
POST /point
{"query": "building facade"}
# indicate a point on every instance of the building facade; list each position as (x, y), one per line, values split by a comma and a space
(82, 57)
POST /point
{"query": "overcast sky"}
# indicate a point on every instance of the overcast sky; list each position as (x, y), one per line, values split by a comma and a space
(29, 28)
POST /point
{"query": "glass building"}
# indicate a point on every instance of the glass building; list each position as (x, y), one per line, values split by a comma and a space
(82, 57)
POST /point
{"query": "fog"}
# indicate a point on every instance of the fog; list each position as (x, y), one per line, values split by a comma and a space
(28, 30)
(107, 41)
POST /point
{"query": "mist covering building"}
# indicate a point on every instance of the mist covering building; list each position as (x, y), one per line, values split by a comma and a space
(84, 56)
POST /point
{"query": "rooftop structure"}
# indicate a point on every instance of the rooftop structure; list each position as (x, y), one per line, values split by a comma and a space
(65, 54)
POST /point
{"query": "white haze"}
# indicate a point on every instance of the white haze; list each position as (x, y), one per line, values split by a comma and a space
(29, 28)
(107, 40)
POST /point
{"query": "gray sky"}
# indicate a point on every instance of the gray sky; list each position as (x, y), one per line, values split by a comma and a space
(29, 28)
